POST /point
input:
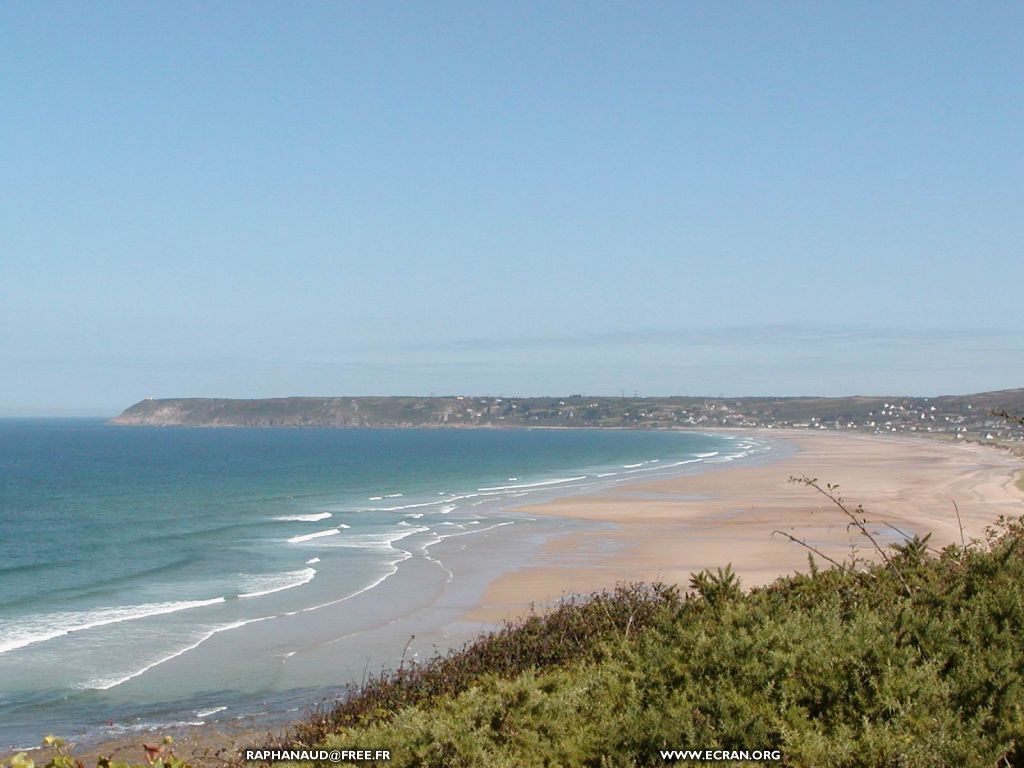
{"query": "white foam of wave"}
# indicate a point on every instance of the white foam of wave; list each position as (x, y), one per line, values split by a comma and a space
(393, 495)
(402, 556)
(208, 712)
(310, 536)
(730, 457)
(47, 626)
(474, 531)
(425, 547)
(312, 560)
(641, 463)
(703, 457)
(267, 584)
(118, 730)
(605, 474)
(382, 541)
(344, 525)
(417, 515)
(376, 498)
(533, 485)
(448, 508)
(304, 518)
(106, 683)
(421, 504)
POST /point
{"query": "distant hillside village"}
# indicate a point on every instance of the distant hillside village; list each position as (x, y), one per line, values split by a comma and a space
(958, 418)
(962, 417)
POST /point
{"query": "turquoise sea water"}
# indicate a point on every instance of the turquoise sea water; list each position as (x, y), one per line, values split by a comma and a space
(161, 575)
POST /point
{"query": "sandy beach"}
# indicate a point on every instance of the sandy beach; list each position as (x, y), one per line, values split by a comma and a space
(666, 529)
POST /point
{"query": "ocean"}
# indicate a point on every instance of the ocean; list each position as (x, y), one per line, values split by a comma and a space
(152, 577)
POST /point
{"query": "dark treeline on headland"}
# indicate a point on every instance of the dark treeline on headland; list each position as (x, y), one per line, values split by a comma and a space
(966, 416)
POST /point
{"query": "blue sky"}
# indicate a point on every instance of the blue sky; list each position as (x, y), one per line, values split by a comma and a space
(263, 199)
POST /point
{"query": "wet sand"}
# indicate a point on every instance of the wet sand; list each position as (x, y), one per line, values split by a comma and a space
(668, 528)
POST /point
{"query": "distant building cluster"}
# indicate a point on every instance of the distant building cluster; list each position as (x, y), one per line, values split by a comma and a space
(954, 418)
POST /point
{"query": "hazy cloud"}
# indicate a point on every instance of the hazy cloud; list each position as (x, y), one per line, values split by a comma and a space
(740, 335)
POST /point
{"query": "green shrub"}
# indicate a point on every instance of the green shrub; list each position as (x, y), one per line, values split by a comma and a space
(577, 631)
(837, 667)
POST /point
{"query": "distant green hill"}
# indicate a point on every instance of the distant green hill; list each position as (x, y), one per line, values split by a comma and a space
(971, 415)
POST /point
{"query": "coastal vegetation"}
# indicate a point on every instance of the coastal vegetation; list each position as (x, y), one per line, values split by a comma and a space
(59, 755)
(983, 417)
(913, 658)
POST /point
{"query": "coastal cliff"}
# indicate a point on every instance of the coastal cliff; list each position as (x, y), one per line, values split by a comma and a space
(974, 416)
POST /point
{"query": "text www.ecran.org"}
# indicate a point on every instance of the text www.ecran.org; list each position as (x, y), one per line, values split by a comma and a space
(721, 755)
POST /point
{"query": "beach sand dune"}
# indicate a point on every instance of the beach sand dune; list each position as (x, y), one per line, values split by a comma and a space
(668, 528)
